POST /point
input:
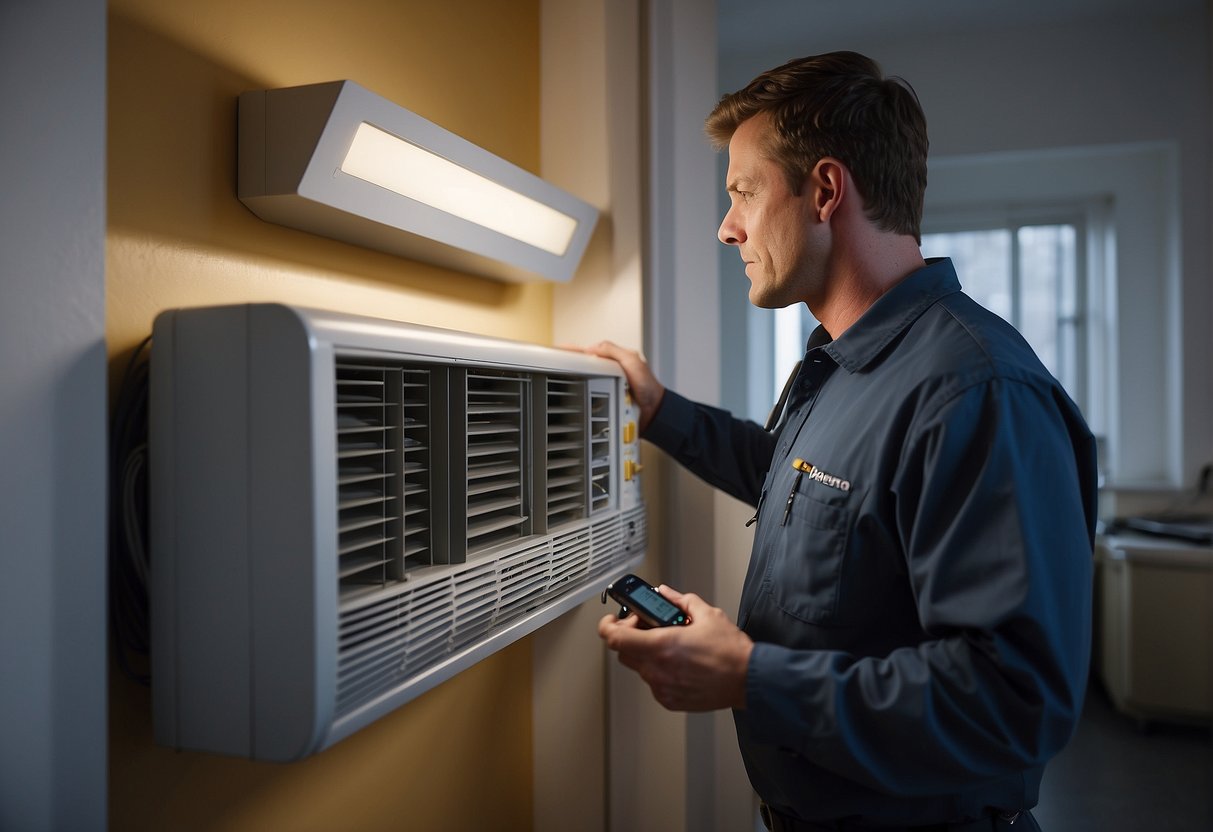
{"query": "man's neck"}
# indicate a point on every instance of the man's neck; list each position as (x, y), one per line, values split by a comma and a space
(860, 278)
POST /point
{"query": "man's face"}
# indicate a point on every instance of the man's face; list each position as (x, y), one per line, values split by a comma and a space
(775, 231)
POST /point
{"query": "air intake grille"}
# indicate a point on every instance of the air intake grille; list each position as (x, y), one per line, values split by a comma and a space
(566, 436)
(496, 495)
(368, 444)
(387, 641)
(394, 634)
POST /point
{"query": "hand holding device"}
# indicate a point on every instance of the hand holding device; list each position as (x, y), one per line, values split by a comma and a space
(699, 668)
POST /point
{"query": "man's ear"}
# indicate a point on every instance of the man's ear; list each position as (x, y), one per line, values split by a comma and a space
(828, 186)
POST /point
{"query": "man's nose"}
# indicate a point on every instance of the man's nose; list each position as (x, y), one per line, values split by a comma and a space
(730, 232)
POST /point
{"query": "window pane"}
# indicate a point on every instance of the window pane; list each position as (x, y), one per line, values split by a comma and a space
(983, 263)
(1047, 276)
(793, 326)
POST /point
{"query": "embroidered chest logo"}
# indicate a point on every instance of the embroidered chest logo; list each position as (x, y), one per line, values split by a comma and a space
(823, 477)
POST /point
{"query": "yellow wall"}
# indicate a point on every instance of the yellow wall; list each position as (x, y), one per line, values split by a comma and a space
(460, 756)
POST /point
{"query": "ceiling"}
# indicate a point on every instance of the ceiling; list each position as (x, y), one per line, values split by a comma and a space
(747, 27)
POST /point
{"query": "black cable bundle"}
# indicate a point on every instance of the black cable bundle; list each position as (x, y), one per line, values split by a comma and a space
(128, 559)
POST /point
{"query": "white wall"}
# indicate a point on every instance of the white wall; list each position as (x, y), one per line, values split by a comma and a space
(52, 373)
(1099, 83)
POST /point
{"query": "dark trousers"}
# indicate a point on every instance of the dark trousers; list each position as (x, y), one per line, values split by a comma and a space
(1021, 822)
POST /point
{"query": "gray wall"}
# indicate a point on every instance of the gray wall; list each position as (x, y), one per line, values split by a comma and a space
(52, 374)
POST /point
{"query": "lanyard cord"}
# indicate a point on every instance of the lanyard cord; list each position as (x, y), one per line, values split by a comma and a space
(777, 410)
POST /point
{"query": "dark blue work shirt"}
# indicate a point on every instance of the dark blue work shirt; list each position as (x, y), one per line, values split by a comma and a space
(919, 592)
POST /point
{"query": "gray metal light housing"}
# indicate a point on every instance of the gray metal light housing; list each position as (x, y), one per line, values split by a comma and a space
(338, 160)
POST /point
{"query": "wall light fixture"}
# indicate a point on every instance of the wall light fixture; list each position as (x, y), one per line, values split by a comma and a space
(338, 160)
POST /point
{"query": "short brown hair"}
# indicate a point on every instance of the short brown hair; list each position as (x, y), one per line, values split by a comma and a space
(840, 105)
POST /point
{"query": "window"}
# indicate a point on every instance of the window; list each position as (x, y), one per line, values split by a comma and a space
(1029, 266)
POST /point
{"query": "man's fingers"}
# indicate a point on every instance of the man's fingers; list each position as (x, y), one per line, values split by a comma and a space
(621, 633)
(670, 594)
(687, 602)
(607, 349)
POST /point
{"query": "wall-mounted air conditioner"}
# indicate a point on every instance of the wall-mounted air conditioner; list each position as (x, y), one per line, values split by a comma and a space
(346, 511)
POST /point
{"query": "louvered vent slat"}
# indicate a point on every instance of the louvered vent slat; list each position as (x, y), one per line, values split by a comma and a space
(480, 528)
(482, 428)
(557, 507)
(362, 540)
(351, 523)
(354, 475)
(354, 452)
(566, 456)
(476, 472)
(479, 507)
(488, 486)
(354, 498)
(478, 448)
(358, 565)
(496, 507)
(557, 483)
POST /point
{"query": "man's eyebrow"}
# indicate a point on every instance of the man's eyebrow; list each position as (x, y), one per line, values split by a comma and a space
(739, 183)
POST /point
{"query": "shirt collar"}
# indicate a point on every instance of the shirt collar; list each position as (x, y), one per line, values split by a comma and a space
(889, 316)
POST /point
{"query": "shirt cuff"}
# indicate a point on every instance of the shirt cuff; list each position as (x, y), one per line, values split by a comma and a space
(670, 424)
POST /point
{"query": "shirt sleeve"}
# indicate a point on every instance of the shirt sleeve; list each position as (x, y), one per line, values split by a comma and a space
(726, 452)
(994, 504)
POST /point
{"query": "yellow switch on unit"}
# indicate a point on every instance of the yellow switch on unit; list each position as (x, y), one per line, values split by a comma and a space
(629, 432)
(631, 469)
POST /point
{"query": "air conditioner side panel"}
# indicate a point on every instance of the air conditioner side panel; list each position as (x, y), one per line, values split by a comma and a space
(201, 658)
(292, 495)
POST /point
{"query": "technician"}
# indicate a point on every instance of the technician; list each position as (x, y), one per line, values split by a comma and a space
(914, 628)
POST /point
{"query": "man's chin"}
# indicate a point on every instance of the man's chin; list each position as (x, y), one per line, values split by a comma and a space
(763, 301)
